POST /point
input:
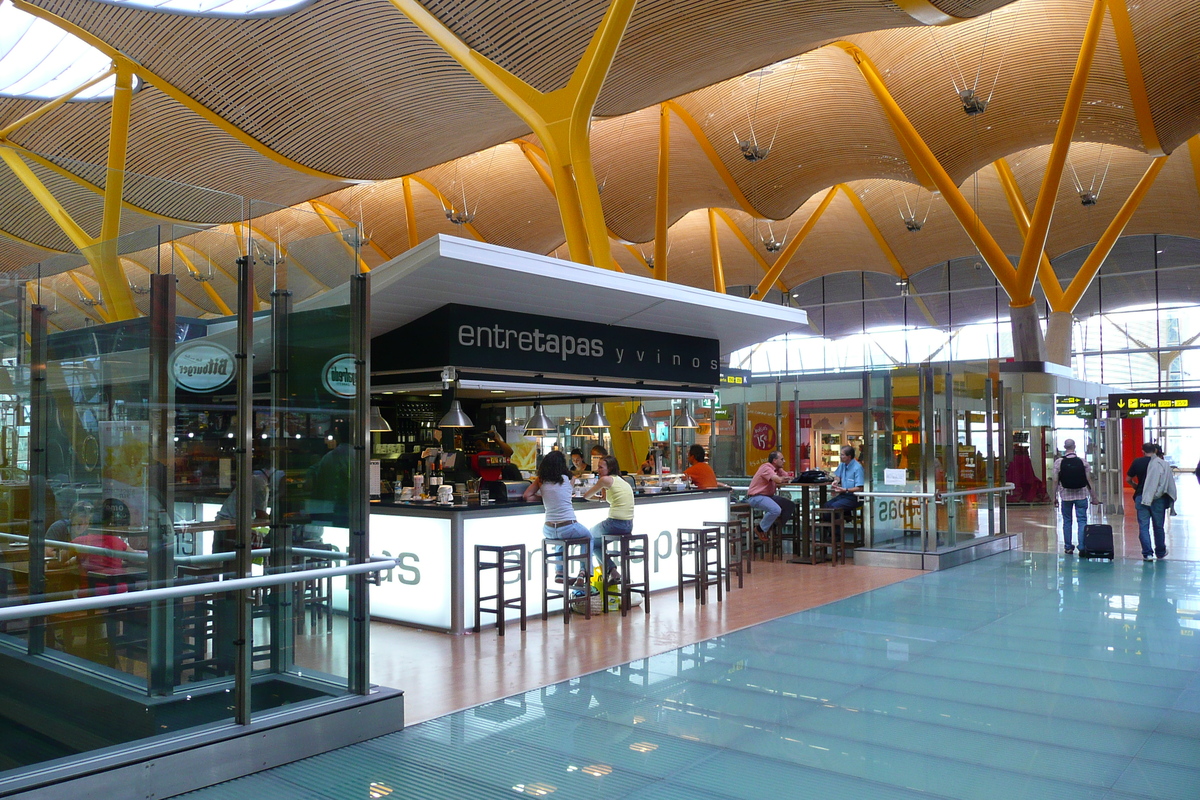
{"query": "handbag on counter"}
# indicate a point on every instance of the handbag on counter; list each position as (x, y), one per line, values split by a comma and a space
(813, 476)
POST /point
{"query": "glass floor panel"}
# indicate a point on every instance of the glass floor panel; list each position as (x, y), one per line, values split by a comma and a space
(1023, 675)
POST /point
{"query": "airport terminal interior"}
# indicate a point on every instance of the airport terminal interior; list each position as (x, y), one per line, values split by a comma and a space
(307, 305)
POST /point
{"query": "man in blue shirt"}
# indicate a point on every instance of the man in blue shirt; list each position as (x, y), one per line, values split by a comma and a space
(848, 479)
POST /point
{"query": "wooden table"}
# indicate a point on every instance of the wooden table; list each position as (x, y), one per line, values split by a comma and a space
(803, 519)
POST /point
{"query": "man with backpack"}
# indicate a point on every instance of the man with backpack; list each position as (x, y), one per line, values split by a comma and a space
(1072, 490)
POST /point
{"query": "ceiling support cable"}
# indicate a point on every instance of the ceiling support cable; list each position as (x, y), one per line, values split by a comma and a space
(85, 244)
(410, 214)
(1091, 265)
(326, 212)
(561, 119)
(93, 313)
(536, 157)
(750, 248)
(319, 205)
(661, 222)
(1016, 203)
(446, 204)
(1134, 78)
(205, 282)
(1043, 209)
(86, 294)
(928, 164)
(641, 259)
(175, 93)
(785, 255)
(714, 242)
(723, 172)
(887, 251)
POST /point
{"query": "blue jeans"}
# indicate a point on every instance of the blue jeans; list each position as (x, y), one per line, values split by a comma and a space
(609, 526)
(1081, 507)
(1155, 513)
(772, 507)
(576, 530)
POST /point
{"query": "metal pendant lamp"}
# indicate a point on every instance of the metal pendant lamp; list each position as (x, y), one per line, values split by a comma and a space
(539, 422)
(596, 418)
(638, 421)
(377, 422)
(455, 418)
(686, 421)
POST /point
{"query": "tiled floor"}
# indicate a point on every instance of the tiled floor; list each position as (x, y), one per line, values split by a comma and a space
(1025, 675)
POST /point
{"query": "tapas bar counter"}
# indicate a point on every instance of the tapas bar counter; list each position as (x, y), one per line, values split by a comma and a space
(433, 585)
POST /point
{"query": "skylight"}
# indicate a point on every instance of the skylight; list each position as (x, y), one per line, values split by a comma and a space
(40, 62)
(224, 8)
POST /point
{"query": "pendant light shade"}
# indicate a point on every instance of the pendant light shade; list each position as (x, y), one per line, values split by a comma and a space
(638, 421)
(596, 418)
(686, 421)
(539, 422)
(378, 423)
(455, 418)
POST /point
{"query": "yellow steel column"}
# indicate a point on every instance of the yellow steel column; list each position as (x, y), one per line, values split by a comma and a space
(790, 250)
(1194, 154)
(715, 243)
(561, 119)
(109, 273)
(338, 234)
(1123, 29)
(661, 194)
(41, 111)
(1104, 246)
(410, 214)
(991, 251)
(746, 243)
(1043, 209)
(1016, 203)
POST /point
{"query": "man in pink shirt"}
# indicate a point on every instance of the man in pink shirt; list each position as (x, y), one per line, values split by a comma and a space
(761, 494)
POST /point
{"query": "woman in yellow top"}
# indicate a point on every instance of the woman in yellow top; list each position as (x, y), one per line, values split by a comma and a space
(620, 511)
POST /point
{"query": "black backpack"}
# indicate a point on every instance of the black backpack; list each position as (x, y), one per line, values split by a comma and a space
(1072, 474)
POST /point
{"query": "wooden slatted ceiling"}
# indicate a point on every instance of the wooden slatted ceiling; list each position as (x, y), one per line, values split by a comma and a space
(1039, 44)
(1168, 42)
(966, 8)
(166, 139)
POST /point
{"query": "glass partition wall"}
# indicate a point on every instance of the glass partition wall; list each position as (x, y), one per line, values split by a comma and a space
(212, 428)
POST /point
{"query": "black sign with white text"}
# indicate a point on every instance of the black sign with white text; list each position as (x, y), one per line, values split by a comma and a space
(464, 336)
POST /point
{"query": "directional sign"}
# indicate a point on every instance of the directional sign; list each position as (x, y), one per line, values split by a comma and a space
(1067, 400)
(1125, 403)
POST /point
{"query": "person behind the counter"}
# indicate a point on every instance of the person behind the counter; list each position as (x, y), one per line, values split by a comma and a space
(761, 494)
(700, 472)
(553, 485)
(619, 495)
(578, 465)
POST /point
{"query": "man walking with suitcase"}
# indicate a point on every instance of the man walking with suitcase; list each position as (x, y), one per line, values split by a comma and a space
(1072, 490)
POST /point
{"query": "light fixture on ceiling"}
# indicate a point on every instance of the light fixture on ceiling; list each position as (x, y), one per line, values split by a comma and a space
(972, 103)
(378, 423)
(686, 420)
(539, 422)
(595, 418)
(455, 418)
(638, 421)
(904, 286)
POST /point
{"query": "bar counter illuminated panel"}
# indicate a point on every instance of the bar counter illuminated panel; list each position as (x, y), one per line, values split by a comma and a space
(434, 584)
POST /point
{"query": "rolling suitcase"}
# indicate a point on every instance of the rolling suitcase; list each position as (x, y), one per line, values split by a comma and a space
(1097, 542)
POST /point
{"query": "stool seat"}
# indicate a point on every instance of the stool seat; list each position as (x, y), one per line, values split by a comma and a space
(504, 560)
(570, 557)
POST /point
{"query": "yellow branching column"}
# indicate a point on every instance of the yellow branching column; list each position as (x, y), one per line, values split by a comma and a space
(410, 214)
(561, 119)
(662, 193)
(714, 242)
(106, 263)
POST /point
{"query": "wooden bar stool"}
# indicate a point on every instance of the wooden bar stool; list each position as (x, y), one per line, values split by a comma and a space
(743, 514)
(735, 551)
(630, 548)
(703, 547)
(573, 556)
(827, 531)
(503, 560)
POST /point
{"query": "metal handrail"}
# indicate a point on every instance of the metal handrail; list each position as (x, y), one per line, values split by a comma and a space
(48, 608)
(1008, 487)
(915, 495)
